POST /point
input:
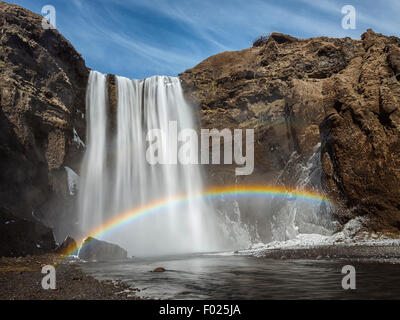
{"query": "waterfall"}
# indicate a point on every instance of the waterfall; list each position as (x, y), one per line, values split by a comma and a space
(116, 177)
(93, 172)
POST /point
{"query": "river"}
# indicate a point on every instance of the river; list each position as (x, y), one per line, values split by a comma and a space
(227, 276)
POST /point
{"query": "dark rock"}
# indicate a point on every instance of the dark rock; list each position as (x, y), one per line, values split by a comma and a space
(394, 58)
(67, 247)
(260, 41)
(159, 269)
(97, 250)
(295, 93)
(20, 237)
(42, 99)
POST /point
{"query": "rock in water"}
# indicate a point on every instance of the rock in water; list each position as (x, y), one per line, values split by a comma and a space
(97, 250)
(20, 237)
(69, 246)
(159, 269)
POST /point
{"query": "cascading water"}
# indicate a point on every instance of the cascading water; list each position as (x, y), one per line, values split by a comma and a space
(93, 182)
(118, 178)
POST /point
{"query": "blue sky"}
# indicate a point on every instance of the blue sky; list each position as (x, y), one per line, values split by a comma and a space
(141, 38)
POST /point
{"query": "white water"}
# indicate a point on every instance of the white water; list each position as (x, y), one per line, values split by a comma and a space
(93, 172)
(117, 178)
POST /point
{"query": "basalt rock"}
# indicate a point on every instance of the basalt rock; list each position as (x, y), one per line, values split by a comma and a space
(42, 104)
(361, 135)
(97, 250)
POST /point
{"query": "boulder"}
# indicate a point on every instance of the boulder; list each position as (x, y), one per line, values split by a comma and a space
(97, 250)
(298, 93)
(69, 246)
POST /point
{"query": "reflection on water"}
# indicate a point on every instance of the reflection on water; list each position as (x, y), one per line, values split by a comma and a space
(241, 277)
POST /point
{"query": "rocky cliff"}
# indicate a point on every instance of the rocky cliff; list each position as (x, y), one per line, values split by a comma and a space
(298, 93)
(42, 100)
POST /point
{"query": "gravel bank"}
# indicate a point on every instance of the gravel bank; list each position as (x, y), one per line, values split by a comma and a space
(20, 279)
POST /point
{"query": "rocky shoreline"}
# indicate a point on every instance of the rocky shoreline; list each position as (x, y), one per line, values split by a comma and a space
(356, 252)
(20, 279)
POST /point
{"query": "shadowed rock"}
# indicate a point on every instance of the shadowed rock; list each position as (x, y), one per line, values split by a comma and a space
(20, 237)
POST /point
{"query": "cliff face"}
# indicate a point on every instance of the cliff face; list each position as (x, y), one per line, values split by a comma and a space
(275, 88)
(361, 134)
(42, 100)
(296, 94)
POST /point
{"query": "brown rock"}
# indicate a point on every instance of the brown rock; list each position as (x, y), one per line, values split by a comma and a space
(361, 137)
(69, 246)
(42, 99)
(275, 89)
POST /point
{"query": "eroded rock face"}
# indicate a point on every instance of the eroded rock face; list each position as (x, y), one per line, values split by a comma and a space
(68, 247)
(342, 93)
(361, 135)
(97, 250)
(42, 99)
(275, 88)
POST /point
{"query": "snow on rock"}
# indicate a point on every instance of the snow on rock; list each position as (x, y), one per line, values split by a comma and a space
(73, 180)
(78, 140)
(353, 234)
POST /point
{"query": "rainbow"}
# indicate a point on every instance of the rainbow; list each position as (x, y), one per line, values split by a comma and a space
(211, 193)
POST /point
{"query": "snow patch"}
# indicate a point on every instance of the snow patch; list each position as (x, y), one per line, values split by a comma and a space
(78, 140)
(73, 180)
(299, 242)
